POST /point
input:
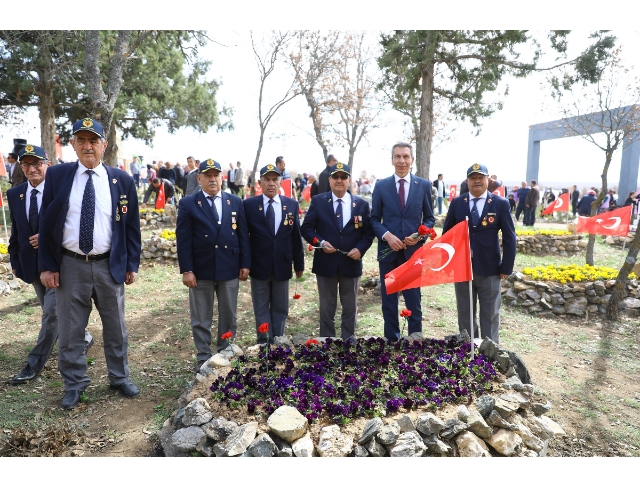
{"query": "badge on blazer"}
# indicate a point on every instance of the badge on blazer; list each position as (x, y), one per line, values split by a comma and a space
(355, 222)
(491, 219)
(114, 180)
(124, 209)
(284, 208)
(285, 222)
(21, 197)
(228, 202)
(353, 204)
(233, 220)
(260, 208)
(117, 216)
(234, 226)
(484, 223)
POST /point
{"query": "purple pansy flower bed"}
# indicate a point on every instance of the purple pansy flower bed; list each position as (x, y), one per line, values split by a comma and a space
(348, 380)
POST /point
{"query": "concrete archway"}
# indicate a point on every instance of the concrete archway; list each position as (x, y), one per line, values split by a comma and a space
(585, 124)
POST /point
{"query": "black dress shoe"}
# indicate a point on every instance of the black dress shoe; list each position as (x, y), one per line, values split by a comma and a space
(25, 375)
(126, 388)
(71, 399)
(200, 364)
(89, 345)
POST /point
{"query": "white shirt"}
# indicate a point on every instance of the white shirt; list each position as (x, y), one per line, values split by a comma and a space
(441, 188)
(407, 184)
(40, 189)
(102, 229)
(277, 209)
(217, 200)
(346, 207)
(479, 204)
(232, 176)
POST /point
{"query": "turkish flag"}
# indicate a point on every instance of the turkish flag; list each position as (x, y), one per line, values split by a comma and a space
(285, 188)
(453, 191)
(446, 259)
(499, 191)
(560, 204)
(1, 203)
(614, 222)
(160, 199)
(306, 193)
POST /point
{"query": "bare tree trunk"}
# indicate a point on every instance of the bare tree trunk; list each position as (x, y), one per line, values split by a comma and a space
(619, 291)
(104, 103)
(110, 157)
(47, 116)
(425, 141)
(315, 115)
(257, 160)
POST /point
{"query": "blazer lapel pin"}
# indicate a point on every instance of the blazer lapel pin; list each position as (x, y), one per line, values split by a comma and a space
(114, 180)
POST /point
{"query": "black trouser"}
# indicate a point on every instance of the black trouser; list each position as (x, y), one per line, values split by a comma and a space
(519, 209)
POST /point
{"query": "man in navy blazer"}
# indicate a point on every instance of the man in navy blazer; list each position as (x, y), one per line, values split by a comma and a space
(213, 254)
(488, 213)
(25, 200)
(400, 204)
(339, 222)
(89, 246)
(276, 243)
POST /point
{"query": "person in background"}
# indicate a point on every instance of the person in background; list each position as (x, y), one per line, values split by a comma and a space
(494, 183)
(523, 191)
(584, 207)
(154, 187)
(575, 198)
(143, 176)
(191, 177)
(314, 185)
(531, 204)
(512, 203)
(134, 167)
(167, 172)
(152, 172)
(439, 185)
(630, 199)
(16, 175)
(323, 178)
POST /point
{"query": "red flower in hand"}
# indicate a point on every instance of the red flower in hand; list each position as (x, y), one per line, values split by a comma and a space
(227, 335)
(310, 248)
(299, 211)
(312, 341)
(423, 230)
(405, 313)
(315, 240)
(297, 296)
(263, 328)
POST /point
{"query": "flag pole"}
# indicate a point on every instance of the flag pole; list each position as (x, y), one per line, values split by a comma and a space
(470, 298)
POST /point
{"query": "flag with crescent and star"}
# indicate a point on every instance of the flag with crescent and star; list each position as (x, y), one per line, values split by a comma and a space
(561, 203)
(614, 222)
(446, 259)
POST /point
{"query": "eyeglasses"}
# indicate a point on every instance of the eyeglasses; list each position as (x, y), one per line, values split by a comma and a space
(340, 176)
(33, 164)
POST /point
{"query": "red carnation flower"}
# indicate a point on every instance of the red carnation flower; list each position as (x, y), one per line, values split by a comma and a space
(312, 341)
(310, 248)
(297, 296)
(405, 313)
(227, 335)
(315, 240)
(263, 328)
(423, 230)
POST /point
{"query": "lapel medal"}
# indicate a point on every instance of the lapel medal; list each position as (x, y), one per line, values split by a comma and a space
(21, 197)
(355, 222)
(233, 220)
(114, 180)
(118, 216)
(484, 223)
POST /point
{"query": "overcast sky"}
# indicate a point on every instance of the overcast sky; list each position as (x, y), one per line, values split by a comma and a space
(501, 144)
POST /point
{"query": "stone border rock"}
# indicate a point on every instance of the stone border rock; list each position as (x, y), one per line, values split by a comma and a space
(619, 241)
(158, 248)
(577, 299)
(509, 424)
(562, 245)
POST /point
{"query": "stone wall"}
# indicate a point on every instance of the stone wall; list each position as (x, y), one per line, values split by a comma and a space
(578, 299)
(155, 220)
(158, 248)
(8, 282)
(619, 241)
(563, 246)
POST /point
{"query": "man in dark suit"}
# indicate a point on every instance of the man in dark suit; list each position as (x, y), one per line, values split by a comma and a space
(575, 198)
(276, 243)
(523, 192)
(89, 246)
(400, 204)
(25, 201)
(16, 174)
(191, 177)
(323, 178)
(213, 253)
(339, 222)
(488, 213)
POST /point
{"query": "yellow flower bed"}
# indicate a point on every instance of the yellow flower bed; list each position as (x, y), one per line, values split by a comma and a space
(4, 248)
(551, 233)
(572, 273)
(168, 234)
(151, 210)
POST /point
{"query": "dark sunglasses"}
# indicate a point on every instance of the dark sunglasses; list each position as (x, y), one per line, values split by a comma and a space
(342, 176)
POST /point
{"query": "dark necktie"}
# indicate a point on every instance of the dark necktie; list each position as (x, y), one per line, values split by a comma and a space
(401, 194)
(216, 217)
(33, 211)
(87, 214)
(271, 218)
(475, 216)
(339, 213)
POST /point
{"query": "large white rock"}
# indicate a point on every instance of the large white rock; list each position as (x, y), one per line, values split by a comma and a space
(287, 423)
(238, 441)
(548, 426)
(429, 424)
(469, 445)
(530, 440)
(506, 442)
(303, 447)
(333, 443)
(218, 360)
(478, 425)
(409, 444)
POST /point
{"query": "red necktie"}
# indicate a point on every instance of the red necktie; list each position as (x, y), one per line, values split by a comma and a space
(401, 194)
